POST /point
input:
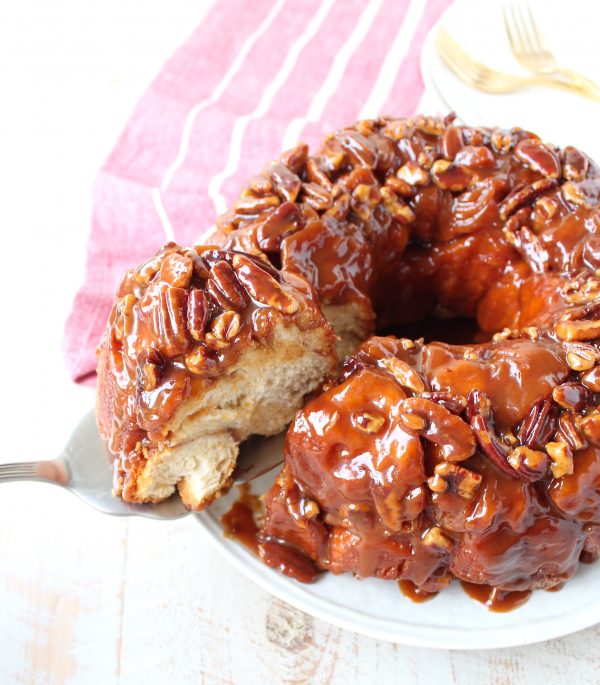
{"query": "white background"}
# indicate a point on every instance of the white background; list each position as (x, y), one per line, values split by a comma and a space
(90, 599)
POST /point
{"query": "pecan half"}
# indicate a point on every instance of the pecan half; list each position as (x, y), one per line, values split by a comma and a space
(452, 478)
(582, 356)
(224, 287)
(538, 157)
(227, 325)
(199, 361)
(435, 539)
(591, 379)
(169, 321)
(317, 175)
(576, 164)
(539, 425)
(496, 451)
(357, 148)
(442, 428)
(316, 196)
(452, 142)
(590, 426)
(295, 159)
(197, 314)
(124, 316)
(285, 220)
(568, 431)
(562, 458)
(475, 157)
(252, 204)
(262, 287)
(522, 196)
(286, 183)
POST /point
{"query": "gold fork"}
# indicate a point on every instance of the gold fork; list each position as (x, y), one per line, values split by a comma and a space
(532, 53)
(484, 78)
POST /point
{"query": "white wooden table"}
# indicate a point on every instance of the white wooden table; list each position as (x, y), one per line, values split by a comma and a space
(86, 598)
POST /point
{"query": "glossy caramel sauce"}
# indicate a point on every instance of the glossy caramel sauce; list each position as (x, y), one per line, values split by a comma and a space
(414, 592)
(494, 598)
(239, 522)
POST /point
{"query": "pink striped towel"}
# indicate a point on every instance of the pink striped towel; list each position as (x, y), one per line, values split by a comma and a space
(253, 79)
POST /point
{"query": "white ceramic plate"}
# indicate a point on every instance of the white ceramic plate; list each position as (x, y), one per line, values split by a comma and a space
(452, 620)
(556, 116)
(378, 609)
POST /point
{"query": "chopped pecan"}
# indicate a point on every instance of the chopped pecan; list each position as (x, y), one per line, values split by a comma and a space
(582, 356)
(199, 361)
(224, 287)
(368, 421)
(397, 208)
(547, 206)
(590, 426)
(562, 458)
(538, 157)
(576, 164)
(399, 186)
(197, 314)
(176, 270)
(502, 141)
(124, 317)
(530, 465)
(286, 219)
(169, 321)
(413, 174)
(522, 196)
(227, 325)
(262, 287)
(449, 176)
(573, 396)
(148, 270)
(584, 329)
(285, 182)
(150, 366)
(539, 425)
(403, 373)
(260, 184)
(433, 126)
(295, 159)
(252, 204)
(478, 404)
(443, 428)
(491, 446)
(215, 343)
(451, 400)
(316, 196)
(435, 539)
(575, 194)
(358, 148)
(475, 157)
(317, 175)
(456, 479)
(591, 379)
(568, 431)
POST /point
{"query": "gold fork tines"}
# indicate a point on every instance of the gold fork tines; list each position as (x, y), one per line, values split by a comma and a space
(531, 51)
(484, 78)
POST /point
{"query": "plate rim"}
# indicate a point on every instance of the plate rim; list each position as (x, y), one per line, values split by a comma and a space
(399, 632)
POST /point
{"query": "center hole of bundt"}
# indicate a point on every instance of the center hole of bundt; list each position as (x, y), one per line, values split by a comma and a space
(455, 331)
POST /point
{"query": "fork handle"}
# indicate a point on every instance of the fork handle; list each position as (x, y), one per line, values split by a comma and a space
(579, 81)
(52, 471)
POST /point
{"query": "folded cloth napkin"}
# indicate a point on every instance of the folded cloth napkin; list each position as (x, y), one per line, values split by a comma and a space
(252, 80)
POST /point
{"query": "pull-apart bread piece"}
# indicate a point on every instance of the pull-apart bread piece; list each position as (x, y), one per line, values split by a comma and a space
(204, 347)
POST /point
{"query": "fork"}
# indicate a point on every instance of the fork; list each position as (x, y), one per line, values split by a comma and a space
(532, 53)
(484, 78)
(84, 468)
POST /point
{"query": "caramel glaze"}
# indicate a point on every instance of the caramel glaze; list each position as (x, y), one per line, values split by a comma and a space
(179, 320)
(479, 461)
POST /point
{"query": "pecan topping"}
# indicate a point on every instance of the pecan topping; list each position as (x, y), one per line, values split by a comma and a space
(251, 204)
(530, 465)
(453, 478)
(578, 330)
(317, 175)
(538, 157)
(396, 207)
(413, 422)
(435, 539)
(213, 342)
(582, 356)
(452, 142)
(295, 159)
(451, 433)
(287, 185)
(413, 174)
(262, 287)
(448, 176)
(525, 195)
(452, 401)
(573, 396)
(317, 197)
(576, 164)
(491, 446)
(574, 193)
(169, 321)
(539, 425)
(176, 270)
(562, 458)
(199, 361)
(224, 287)
(150, 366)
(475, 157)
(404, 374)
(227, 325)
(591, 379)
(568, 431)
(501, 141)
(124, 317)
(197, 314)
(590, 425)
(358, 148)
(369, 422)
(286, 219)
